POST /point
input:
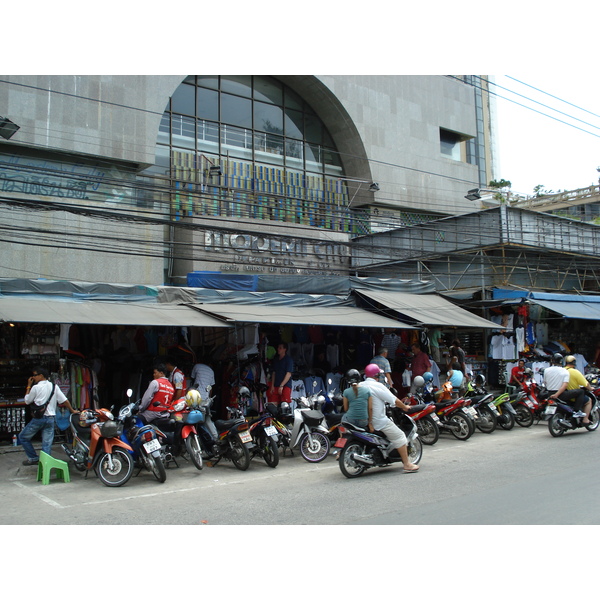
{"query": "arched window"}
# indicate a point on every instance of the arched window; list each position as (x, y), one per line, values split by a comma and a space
(249, 146)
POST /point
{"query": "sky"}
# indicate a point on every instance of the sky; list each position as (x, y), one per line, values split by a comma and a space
(559, 149)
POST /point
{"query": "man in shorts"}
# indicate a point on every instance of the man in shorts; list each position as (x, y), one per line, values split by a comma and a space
(381, 396)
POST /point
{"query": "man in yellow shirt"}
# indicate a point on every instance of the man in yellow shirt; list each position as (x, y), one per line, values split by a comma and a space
(578, 381)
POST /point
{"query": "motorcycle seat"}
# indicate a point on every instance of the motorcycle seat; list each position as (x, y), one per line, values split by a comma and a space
(416, 408)
(223, 425)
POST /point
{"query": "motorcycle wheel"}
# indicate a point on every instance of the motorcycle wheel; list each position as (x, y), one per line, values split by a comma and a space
(555, 428)
(524, 417)
(487, 422)
(429, 432)
(594, 420)
(348, 466)
(239, 454)
(506, 421)
(464, 431)
(270, 451)
(121, 471)
(415, 451)
(317, 450)
(157, 468)
(192, 447)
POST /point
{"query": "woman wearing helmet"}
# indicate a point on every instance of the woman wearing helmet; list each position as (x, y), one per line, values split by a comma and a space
(357, 401)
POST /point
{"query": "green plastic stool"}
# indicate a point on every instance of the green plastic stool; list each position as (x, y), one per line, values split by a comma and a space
(45, 466)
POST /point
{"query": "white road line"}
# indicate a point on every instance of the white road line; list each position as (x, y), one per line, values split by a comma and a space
(40, 496)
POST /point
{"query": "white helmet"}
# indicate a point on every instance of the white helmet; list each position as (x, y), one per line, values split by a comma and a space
(419, 381)
(193, 398)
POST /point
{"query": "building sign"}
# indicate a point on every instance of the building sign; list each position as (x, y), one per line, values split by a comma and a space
(255, 253)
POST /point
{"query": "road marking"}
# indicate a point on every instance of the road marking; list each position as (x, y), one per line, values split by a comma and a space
(40, 496)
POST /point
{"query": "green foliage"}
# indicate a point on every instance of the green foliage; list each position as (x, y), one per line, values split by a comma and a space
(499, 183)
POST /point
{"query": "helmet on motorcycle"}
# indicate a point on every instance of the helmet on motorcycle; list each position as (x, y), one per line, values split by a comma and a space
(427, 376)
(193, 398)
(372, 370)
(87, 417)
(480, 380)
(419, 381)
(353, 376)
(570, 360)
(557, 358)
(528, 371)
(285, 408)
(244, 392)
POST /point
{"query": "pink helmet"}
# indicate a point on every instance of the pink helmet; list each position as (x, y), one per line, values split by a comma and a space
(372, 370)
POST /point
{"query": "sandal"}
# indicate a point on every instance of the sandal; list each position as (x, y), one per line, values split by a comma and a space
(412, 470)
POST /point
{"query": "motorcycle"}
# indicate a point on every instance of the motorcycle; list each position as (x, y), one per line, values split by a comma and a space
(364, 450)
(97, 446)
(530, 402)
(561, 419)
(180, 436)
(148, 452)
(264, 434)
(309, 431)
(483, 403)
(229, 439)
(424, 415)
(506, 411)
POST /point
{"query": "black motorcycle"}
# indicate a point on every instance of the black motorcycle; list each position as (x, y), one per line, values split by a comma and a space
(363, 450)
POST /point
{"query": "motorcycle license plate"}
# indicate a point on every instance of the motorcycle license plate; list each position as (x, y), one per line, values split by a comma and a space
(245, 437)
(471, 411)
(435, 417)
(152, 445)
(340, 443)
(493, 407)
(550, 410)
(529, 403)
(270, 430)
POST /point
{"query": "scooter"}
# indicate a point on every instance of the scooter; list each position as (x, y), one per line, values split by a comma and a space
(148, 452)
(229, 439)
(424, 415)
(310, 432)
(264, 435)
(364, 450)
(506, 411)
(96, 446)
(482, 402)
(561, 419)
(180, 436)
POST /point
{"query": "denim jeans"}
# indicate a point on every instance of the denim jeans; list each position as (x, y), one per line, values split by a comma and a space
(46, 426)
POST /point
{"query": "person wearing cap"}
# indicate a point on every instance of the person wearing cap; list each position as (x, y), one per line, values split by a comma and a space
(557, 379)
(379, 421)
(576, 382)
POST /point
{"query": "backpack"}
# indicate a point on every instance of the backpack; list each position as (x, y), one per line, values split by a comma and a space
(38, 410)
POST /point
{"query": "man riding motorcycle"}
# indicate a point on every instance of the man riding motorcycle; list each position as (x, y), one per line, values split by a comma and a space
(381, 396)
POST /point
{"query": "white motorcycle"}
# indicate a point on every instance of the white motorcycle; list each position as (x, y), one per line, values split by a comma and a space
(309, 431)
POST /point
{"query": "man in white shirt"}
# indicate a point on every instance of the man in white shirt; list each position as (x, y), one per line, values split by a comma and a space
(381, 396)
(39, 391)
(203, 376)
(556, 380)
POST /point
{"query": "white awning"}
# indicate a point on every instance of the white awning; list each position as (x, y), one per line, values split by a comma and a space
(572, 310)
(22, 310)
(342, 316)
(428, 309)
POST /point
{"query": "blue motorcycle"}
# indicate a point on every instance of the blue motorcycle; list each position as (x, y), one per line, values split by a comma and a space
(148, 452)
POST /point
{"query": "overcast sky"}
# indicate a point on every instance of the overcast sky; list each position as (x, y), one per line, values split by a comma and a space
(559, 153)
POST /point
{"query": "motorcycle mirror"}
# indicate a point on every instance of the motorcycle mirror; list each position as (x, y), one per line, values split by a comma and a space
(129, 393)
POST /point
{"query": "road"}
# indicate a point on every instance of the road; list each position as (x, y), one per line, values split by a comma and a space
(518, 477)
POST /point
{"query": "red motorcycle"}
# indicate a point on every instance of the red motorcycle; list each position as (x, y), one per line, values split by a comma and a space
(530, 402)
(424, 415)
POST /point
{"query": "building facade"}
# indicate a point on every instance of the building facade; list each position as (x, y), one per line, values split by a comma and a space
(145, 179)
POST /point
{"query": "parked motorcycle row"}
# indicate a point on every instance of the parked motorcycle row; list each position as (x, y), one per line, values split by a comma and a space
(115, 447)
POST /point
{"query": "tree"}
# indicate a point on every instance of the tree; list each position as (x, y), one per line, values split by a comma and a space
(499, 184)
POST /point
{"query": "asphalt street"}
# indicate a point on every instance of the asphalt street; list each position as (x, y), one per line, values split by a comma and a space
(517, 477)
